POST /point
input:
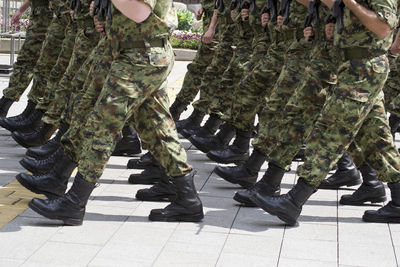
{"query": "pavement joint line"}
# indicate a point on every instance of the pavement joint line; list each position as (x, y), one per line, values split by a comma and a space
(13, 195)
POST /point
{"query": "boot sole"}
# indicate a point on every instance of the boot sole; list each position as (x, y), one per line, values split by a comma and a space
(165, 198)
(147, 182)
(381, 219)
(223, 161)
(28, 186)
(351, 183)
(280, 215)
(67, 221)
(361, 203)
(126, 153)
(20, 141)
(246, 202)
(32, 170)
(178, 218)
(197, 145)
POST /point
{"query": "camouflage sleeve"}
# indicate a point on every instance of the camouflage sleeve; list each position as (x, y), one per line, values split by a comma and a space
(386, 10)
(151, 3)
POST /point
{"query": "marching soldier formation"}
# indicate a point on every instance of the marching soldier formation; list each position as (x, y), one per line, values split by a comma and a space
(317, 75)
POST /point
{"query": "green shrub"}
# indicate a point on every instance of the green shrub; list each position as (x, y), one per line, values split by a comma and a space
(185, 19)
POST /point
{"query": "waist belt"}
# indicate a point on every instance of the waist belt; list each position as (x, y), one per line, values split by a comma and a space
(360, 53)
(142, 44)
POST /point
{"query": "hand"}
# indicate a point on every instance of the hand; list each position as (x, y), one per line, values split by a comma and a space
(71, 13)
(308, 32)
(208, 36)
(16, 17)
(329, 30)
(245, 14)
(199, 13)
(91, 8)
(98, 25)
(265, 19)
(233, 15)
(395, 48)
(279, 21)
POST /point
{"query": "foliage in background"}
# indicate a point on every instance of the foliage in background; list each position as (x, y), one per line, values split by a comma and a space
(189, 40)
(185, 20)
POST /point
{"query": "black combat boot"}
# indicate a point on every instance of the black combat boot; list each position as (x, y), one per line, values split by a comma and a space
(176, 109)
(5, 104)
(150, 175)
(53, 183)
(346, 174)
(219, 141)
(208, 129)
(394, 123)
(390, 213)
(28, 124)
(145, 161)
(35, 138)
(269, 185)
(48, 148)
(24, 115)
(288, 206)
(245, 175)
(129, 145)
(236, 153)
(192, 122)
(371, 189)
(186, 207)
(300, 156)
(164, 190)
(41, 166)
(70, 208)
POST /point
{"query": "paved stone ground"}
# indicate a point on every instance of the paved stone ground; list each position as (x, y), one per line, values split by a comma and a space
(116, 231)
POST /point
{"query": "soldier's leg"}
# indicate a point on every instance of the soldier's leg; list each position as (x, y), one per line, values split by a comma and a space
(85, 41)
(63, 60)
(28, 55)
(223, 54)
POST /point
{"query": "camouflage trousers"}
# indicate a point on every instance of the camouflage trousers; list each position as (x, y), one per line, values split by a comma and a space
(48, 56)
(256, 84)
(20, 79)
(213, 73)
(195, 70)
(86, 39)
(87, 85)
(297, 57)
(134, 92)
(353, 115)
(224, 91)
(303, 108)
(391, 89)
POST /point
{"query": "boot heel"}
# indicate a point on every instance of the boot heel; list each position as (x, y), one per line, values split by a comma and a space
(190, 218)
(378, 199)
(72, 222)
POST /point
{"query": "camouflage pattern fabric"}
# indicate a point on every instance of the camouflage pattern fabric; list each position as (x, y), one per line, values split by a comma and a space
(261, 70)
(134, 90)
(355, 112)
(87, 85)
(195, 70)
(224, 91)
(86, 39)
(228, 32)
(391, 89)
(60, 67)
(39, 20)
(296, 57)
(48, 56)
